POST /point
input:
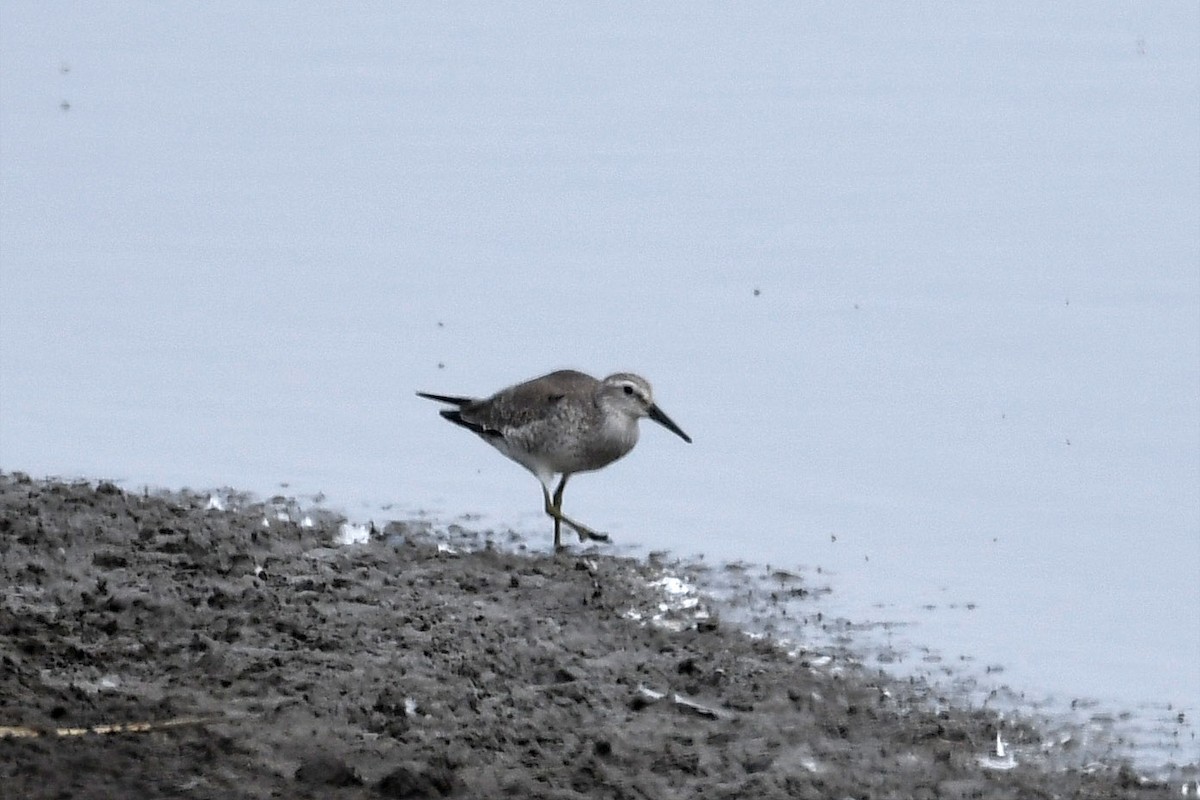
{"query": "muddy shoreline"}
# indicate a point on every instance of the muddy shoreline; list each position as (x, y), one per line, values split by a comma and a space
(256, 657)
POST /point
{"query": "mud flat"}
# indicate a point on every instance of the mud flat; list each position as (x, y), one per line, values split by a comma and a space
(157, 645)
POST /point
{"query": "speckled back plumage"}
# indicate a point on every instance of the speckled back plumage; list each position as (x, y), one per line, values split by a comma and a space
(549, 424)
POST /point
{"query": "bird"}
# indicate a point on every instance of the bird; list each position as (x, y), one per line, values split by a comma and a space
(560, 424)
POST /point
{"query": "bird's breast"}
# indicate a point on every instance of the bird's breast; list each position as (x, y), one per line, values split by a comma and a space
(616, 437)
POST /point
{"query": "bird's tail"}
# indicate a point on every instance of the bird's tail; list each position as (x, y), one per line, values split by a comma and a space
(442, 398)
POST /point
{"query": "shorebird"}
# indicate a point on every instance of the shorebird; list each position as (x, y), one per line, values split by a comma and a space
(560, 424)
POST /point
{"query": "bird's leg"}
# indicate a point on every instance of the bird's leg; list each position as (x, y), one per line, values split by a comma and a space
(553, 512)
(583, 531)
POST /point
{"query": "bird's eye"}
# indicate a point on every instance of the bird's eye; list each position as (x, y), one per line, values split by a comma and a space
(628, 390)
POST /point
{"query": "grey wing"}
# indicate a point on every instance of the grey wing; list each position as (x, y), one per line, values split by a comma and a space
(530, 403)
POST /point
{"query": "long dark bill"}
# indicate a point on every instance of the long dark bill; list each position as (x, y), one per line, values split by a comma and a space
(445, 398)
(655, 413)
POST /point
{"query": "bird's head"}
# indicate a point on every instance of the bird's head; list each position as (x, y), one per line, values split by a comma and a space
(631, 394)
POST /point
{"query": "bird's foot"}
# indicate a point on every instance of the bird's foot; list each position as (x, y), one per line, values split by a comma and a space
(591, 535)
(587, 534)
(594, 536)
(583, 531)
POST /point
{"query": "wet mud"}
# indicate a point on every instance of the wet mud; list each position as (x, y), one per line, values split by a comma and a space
(154, 646)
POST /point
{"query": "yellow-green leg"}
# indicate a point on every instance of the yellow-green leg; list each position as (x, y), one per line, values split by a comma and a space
(557, 515)
(554, 509)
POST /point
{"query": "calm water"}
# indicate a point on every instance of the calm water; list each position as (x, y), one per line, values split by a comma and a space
(923, 285)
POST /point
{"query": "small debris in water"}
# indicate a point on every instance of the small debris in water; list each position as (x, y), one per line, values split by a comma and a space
(350, 533)
(999, 759)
